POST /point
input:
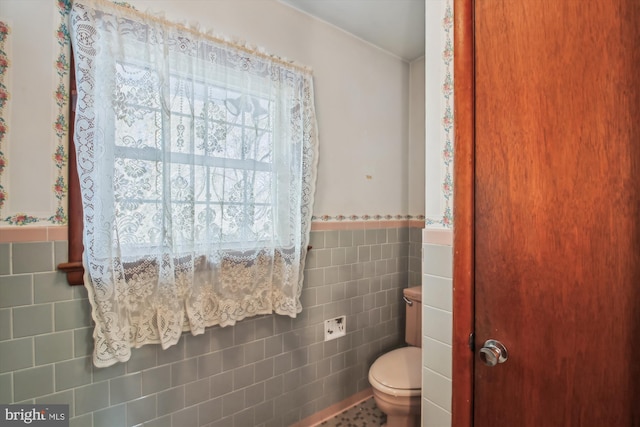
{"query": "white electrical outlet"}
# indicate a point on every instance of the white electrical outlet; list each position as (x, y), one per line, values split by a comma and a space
(335, 328)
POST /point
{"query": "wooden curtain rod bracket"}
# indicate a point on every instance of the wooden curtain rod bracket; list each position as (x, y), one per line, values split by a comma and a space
(74, 271)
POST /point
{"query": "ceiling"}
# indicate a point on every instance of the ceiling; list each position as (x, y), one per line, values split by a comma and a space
(396, 26)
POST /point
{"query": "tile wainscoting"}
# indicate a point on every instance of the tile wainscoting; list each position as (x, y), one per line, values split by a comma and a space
(265, 371)
(437, 317)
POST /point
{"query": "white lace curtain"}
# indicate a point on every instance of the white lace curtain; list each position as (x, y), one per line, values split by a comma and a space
(197, 162)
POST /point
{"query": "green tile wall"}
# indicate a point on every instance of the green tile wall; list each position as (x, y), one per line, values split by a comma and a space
(269, 371)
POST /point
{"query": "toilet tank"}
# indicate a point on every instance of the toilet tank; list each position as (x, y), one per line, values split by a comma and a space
(413, 305)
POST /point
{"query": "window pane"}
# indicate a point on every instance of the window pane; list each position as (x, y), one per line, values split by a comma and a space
(217, 162)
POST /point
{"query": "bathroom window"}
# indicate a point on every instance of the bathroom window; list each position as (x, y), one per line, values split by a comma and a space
(196, 161)
(216, 168)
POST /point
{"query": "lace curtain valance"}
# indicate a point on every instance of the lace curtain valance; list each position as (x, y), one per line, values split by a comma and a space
(197, 162)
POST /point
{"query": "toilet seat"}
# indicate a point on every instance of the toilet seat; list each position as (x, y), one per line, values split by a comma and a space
(398, 372)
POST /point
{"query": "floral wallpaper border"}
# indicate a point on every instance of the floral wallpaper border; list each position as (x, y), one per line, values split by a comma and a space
(60, 128)
(446, 220)
(5, 30)
(367, 217)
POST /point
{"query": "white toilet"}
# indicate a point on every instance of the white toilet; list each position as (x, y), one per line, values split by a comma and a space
(396, 377)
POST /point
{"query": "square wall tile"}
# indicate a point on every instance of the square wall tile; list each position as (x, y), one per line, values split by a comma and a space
(221, 384)
(82, 342)
(186, 417)
(316, 239)
(254, 351)
(32, 257)
(358, 237)
(51, 348)
(123, 389)
(436, 389)
(110, 417)
(264, 411)
(141, 410)
(437, 356)
(434, 416)
(92, 397)
(310, 259)
(103, 374)
(332, 239)
(221, 338)
(263, 370)
(172, 354)
(60, 252)
(5, 324)
(34, 382)
(244, 332)
(5, 258)
(437, 260)
(184, 372)
(6, 388)
(232, 358)
(254, 395)
(244, 418)
(370, 236)
(73, 373)
(264, 326)
(437, 324)
(51, 286)
(32, 320)
(16, 290)
(81, 421)
(72, 314)
(142, 358)
(232, 403)
(243, 377)
(196, 392)
(273, 346)
(209, 364)
(156, 379)
(346, 238)
(338, 256)
(16, 354)
(198, 344)
(171, 400)
(437, 292)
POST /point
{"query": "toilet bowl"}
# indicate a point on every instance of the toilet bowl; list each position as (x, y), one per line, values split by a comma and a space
(395, 377)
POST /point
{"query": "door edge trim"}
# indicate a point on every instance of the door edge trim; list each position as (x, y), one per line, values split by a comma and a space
(463, 230)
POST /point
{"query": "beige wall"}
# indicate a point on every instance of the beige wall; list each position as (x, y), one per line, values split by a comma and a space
(416, 152)
(362, 100)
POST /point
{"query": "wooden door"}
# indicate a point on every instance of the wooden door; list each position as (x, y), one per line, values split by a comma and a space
(555, 223)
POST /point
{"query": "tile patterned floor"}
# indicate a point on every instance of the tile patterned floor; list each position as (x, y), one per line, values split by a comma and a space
(364, 414)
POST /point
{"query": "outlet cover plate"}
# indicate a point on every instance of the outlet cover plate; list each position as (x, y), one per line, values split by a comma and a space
(335, 328)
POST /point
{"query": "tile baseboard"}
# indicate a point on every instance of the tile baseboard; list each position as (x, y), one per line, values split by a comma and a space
(334, 409)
